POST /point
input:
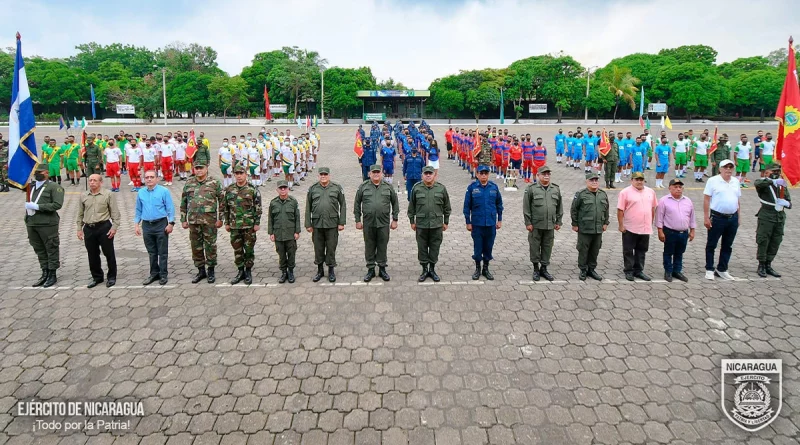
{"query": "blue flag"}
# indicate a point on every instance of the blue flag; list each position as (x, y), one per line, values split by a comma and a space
(22, 152)
(60, 122)
(75, 123)
(94, 115)
(641, 109)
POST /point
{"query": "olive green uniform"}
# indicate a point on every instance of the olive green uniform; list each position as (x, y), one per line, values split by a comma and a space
(589, 214)
(203, 154)
(3, 164)
(376, 203)
(284, 223)
(326, 210)
(43, 224)
(610, 161)
(722, 153)
(93, 160)
(430, 210)
(202, 205)
(769, 230)
(543, 208)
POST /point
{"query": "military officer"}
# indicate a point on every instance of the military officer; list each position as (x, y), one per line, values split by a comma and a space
(203, 153)
(93, 158)
(483, 211)
(41, 220)
(722, 153)
(325, 217)
(429, 213)
(242, 218)
(774, 196)
(283, 227)
(485, 155)
(543, 209)
(3, 165)
(610, 161)
(590, 219)
(376, 201)
(202, 207)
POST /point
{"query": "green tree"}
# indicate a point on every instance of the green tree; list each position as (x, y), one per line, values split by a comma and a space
(622, 85)
(227, 93)
(298, 76)
(391, 84)
(562, 85)
(600, 99)
(478, 100)
(447, 101)
(341, 85)
(147, 96)
(691, 54)
(54, 84)
(90, 56)
(257, 76)
(180, 57)
(189, 92)
(643, 66)
(745, 64)
(694, 87)
(6, 77)
(756, 91)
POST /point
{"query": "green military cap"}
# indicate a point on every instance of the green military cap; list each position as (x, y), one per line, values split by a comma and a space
(591, 175)
(324, 171)
(199, 163)
(772, 166)
(544, 169)
(375, 168)
(428, 169)
(42, 167)
(239, 168)
(283, 183)
(637, 175)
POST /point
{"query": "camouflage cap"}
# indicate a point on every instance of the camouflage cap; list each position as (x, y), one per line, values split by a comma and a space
(200, 163)
(637, 175)
(283, 183)
(375, 168)
(324, 171)
(239, 168)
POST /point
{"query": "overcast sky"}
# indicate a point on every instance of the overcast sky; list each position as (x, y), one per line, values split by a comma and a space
(413, 41)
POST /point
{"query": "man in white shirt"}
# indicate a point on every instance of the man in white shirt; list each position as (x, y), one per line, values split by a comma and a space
(180, 157)
(287, 162)
(226, 163)
(133, 155)
(721, 218)
(166, 154)
(744, 157)
(254, 164)
(113, 155)
(767, 152)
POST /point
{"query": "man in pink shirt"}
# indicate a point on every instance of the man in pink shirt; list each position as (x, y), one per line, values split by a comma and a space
(636, 208)
(676, 224)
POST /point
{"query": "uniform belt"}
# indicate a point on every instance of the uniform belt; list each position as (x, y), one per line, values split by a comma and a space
(96, 224)
(155, 221)
(722, 215)
(673, 230)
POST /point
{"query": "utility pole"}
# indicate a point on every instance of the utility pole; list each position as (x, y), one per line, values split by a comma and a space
(586, 105)
(164, 89)
(322, 96)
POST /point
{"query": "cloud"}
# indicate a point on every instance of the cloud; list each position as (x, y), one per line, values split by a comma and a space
(413, 42)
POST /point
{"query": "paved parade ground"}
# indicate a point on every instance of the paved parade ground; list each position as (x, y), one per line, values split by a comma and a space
(507, 361)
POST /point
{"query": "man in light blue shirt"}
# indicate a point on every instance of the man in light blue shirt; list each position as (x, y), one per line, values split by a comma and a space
(154, 219)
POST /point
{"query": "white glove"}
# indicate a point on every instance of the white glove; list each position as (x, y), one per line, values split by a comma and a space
(779, 182)
(783, 202)
(31, 206)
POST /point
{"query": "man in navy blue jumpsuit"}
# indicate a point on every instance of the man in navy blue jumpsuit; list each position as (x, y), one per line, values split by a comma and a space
(483, 210)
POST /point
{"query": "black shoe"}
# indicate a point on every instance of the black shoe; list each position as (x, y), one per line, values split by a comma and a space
(291, 275)
(770, 271)
(629, 276)
(762, 270)
(284, 276)
(150, 280)
(111, 282)
(93, 283)
(680, 276)
(536, 275)
(320, 273)
(424, 275)
(382, 273)
(545, 274)
(668, 277)
(700, 180)
(594, 275)
(477, 273)
(211, 276)
(201, 273)
(248, 276)
(370, 275)
(163, 281)
(611, 186)
(641, 276)
(239, 276)
(485, 271)
(42, 279)
(432, 273)
(582, 275)
(51, 279)
(331, 274)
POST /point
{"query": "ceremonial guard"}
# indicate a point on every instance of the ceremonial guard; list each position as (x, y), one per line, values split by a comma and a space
(41, 220)
(590, 219)
(202, 207)
(376, 202)
(283, 228)
(325, 217)
(242, 218)
(774, 196)
(93, 157)
(542, 207)
(610, 160)
(429, 214)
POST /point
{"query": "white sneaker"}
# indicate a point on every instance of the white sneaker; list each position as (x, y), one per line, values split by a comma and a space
(130, 183)
(725, 275)
(709, 275)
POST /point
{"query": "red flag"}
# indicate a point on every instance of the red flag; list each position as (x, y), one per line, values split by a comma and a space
(477, 150)
(191, 146)
(267, 114)
(605, 146)
(83, 143)
(714, 142)
(358, 149)
(787, 148)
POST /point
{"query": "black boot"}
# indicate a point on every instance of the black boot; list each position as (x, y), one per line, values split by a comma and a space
(370, 275)
(284, 276)
(382, 273)
(767, 267)
(545, 274)
(582, 275)
(51, 279)
(331, 274)
(320, 273)
(424, 275)
(248, 276)
(536, 275)
(239, 276)
(201, 273)
(477, 273)
(432, 273)
(611, 185)
(594, 275)
(42, 279)
(211, 277)
(485, 272)
(291, 275)
(762, 269)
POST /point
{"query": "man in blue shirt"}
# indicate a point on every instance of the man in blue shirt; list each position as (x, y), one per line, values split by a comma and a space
(154, 219)
(483, 210)
(624, 155)
(369, 157)
(560, 143)
(630, 143)
(412, 171)
(590, 141)
(577, 150)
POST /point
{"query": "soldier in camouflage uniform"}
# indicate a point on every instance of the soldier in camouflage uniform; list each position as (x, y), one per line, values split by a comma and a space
(202, 207)
(485, 155)
(203, 153)
(93, 158)
(242, 211)
(3, 165)
(283, 228)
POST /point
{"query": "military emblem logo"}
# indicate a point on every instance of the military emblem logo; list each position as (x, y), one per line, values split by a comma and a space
(751, 392)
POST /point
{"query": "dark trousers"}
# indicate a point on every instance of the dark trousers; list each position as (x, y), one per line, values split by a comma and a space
(376, 240)
(156, 241)
(483, 242)
(634, 250)
(365, 171)
(45, 242)
(96, 238)
(286, 252)
(541, 245)
(325, 242)
(610, 169)
(725, 229)
(428, 243)
(674, 247)
(410, 183)
(588, 246)
(769, 235)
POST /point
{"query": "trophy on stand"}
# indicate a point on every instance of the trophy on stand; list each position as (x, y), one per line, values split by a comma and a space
(511, 179)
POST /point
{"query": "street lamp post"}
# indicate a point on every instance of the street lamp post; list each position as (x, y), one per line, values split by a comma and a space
(586, 105)
(322, 95)
(164, 89)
